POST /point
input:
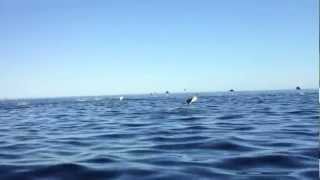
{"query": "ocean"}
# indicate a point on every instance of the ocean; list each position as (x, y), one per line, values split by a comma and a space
(241, 135)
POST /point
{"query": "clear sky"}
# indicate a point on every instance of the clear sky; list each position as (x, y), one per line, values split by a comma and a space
(100, 47)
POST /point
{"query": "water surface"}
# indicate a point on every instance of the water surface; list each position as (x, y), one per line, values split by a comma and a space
(241, 135)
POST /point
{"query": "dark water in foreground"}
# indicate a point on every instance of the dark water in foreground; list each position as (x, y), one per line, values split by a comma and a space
(245, 135)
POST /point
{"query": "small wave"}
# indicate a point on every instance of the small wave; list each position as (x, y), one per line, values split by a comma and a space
(58, 172)
(136, 124)
(177, 139)
(280, 144)
(115, 136)
(97, 99)
(214, 146)
(228, 146)
(309, 174)
(245, 128)
(226, 117)
(310, 152)
(192, 118)
(81, 100)
(303, 112)
(259, 161)
(23, 103)
(99, 160)
(197, 127)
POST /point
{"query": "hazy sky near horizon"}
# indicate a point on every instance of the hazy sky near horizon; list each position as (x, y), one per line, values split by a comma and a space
(74, 48)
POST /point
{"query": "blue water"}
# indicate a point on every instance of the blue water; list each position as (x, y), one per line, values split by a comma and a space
(241, 135)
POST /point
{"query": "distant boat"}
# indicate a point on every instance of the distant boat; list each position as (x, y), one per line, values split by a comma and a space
(191, 99)
(298, 88)
(231, 90)
(167, 92)
(121, 98)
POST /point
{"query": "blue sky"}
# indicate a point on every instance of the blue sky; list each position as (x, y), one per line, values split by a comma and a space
(74, 48)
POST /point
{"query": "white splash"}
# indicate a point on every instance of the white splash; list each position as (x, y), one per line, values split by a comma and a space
(192, 99)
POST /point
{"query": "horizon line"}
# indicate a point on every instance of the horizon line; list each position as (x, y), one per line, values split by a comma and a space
(157, 93)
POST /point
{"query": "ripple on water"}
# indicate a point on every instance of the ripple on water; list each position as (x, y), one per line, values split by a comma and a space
(229, 117)
(205, 145)
(266, 161)
(62, 171)
(256, 135)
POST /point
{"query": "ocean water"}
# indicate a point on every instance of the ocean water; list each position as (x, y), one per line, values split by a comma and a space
(241, 135)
